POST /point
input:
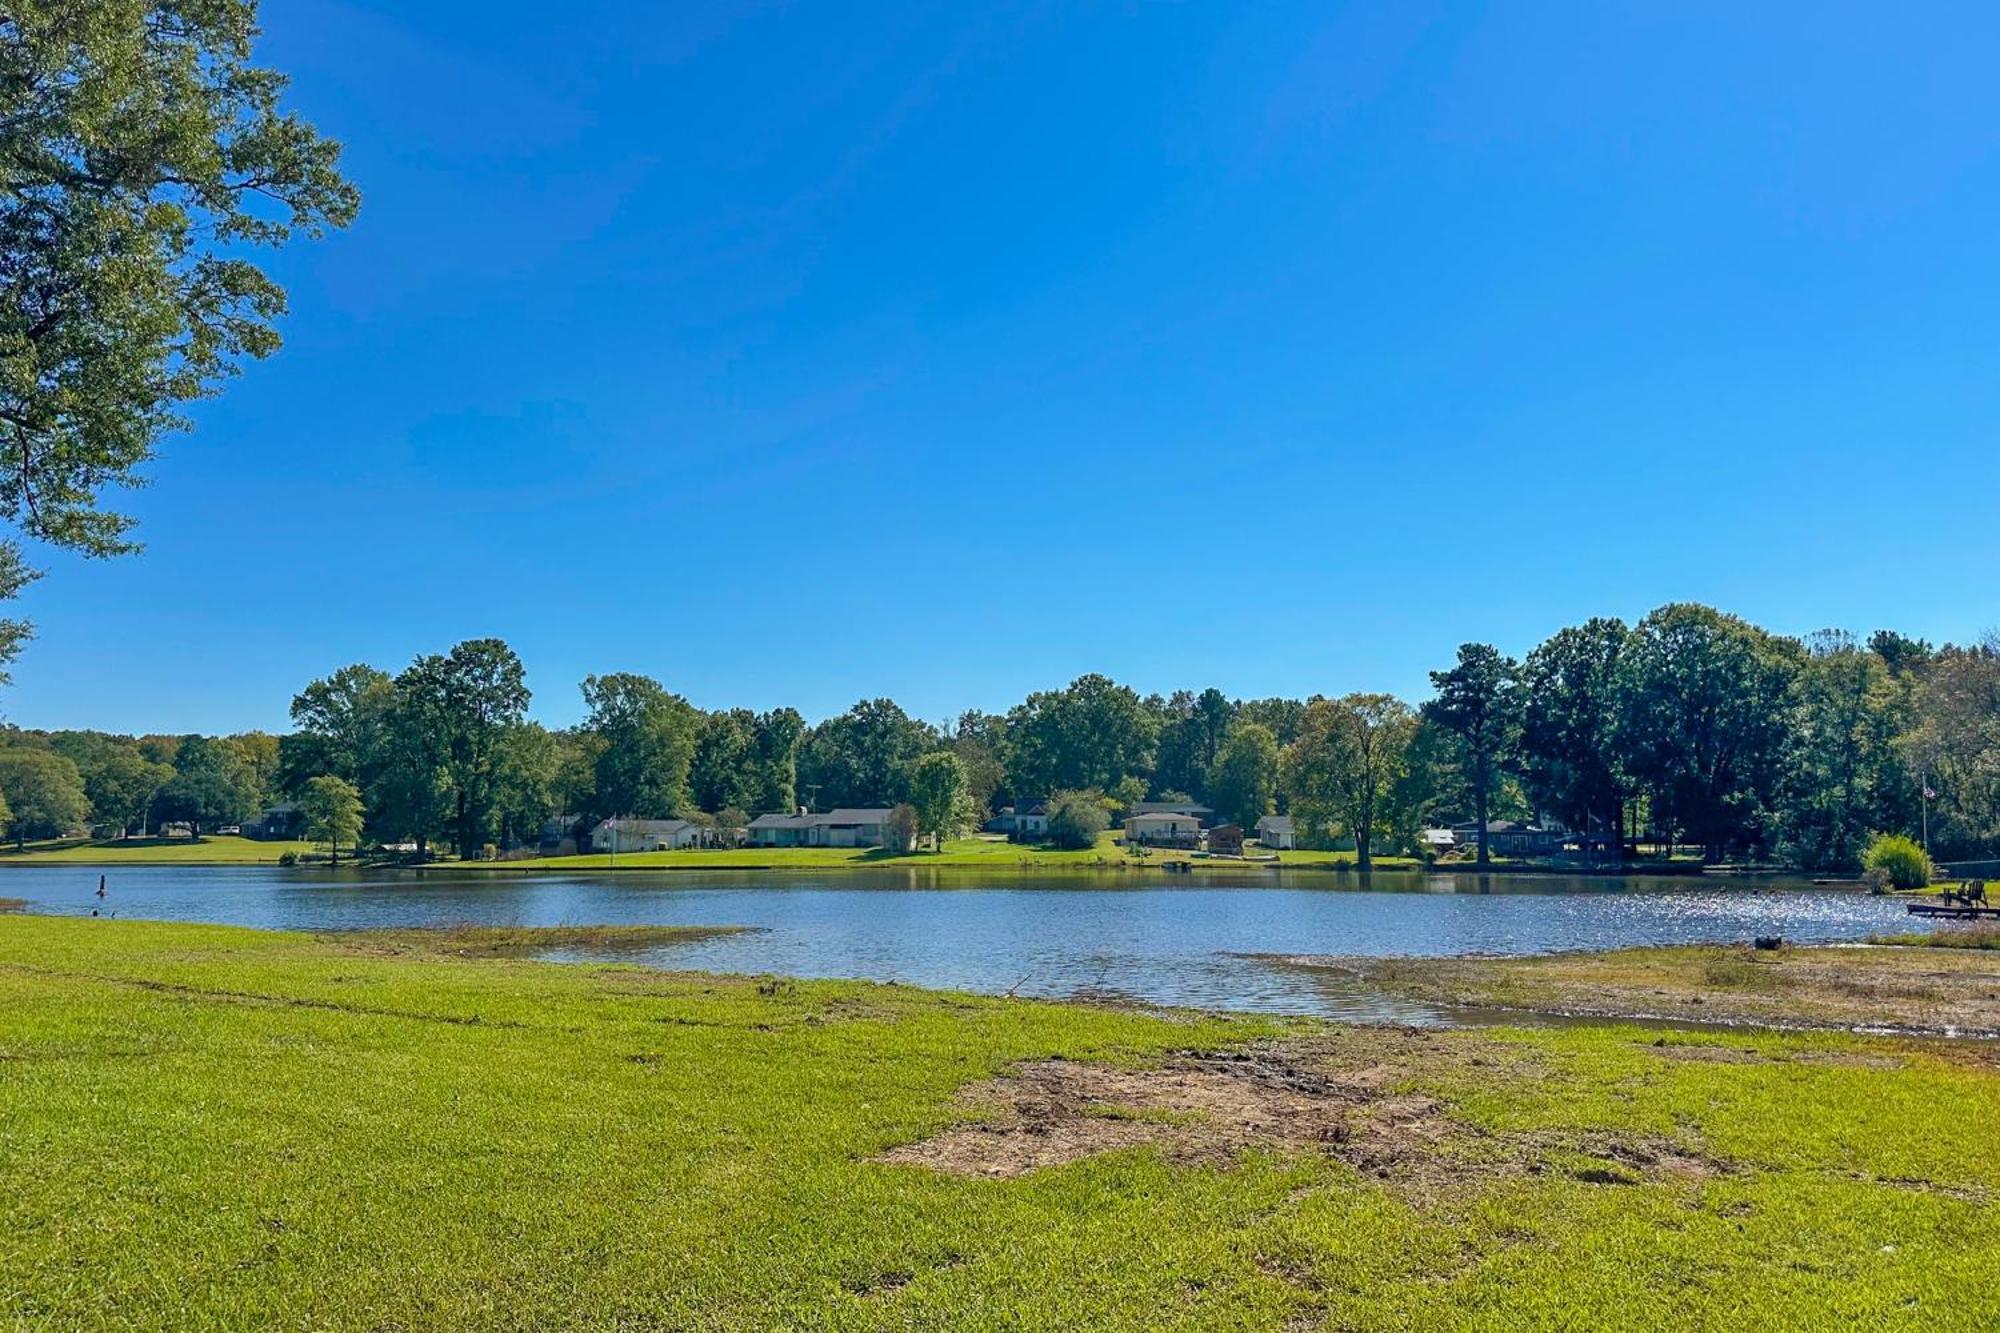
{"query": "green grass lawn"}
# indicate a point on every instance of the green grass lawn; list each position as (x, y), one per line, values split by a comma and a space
(209, 850)
(220, 1128)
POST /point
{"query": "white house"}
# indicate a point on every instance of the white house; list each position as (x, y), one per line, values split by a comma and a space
(1164, 828)
(645, 835)
(1200, 813)
(1277, 832)
(853, 827)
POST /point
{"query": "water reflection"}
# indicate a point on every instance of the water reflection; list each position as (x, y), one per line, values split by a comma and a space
(1185, 939)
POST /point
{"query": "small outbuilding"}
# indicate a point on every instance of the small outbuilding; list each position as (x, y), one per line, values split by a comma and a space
(1278, 833)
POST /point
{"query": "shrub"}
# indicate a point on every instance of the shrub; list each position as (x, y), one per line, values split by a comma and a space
(902, 828)
(288, 858)
(1077, 818)
(1905, 862)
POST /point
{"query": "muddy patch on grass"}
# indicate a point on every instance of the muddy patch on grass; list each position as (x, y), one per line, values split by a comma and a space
(1196, 1108)
(1333, 1098)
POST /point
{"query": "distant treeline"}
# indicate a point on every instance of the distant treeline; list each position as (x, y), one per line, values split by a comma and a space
(1693, 728)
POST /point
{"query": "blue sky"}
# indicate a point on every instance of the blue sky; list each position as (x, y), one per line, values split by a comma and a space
(795, 353)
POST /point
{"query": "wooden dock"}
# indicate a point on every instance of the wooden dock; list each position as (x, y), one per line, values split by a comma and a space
(1956, 911)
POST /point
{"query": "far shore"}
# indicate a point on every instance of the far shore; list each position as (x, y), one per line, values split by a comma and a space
(961, 854)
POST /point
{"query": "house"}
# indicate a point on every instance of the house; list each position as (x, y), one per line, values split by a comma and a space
(646, 835)
(851, 827)
(1226, 840)
(1510, 837)
(1024, 821)
(278, 822)
(1438, 839)
(781, 830)
(1278, 833)
(1166, 828)
(1202, 814)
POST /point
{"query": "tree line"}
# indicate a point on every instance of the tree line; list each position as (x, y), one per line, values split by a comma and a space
(1692, 728)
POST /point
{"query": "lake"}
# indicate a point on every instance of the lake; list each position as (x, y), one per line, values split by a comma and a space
(1213, 939)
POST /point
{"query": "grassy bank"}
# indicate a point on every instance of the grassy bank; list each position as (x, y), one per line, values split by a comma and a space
(211, 850)
(207, 1127)
(1911, 989)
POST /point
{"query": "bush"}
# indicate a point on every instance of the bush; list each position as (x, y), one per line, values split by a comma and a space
(1902, 859)
(902, 829)
(288, 858)
(1077, 818)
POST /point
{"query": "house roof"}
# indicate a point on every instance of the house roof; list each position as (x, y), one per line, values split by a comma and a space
(645, 825)
(843, 816)
(1159, 817)
(1498, 826)
(1170, 808)
(1275, 824)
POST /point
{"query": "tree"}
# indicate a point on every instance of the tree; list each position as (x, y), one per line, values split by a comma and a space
(341, 723)
(1091, 734)
(210, 786)
(1076, 818)
(527, 783)
(43, 793)
(143, 156)
(1478, 701)
(1569, 719)
(980, 742)
(332, 809)
(1952, 745)
(1843, 759)
(864, 756)
(1342, 771)
(902, 827)
(648, 737)
(779, 733)
(725, 769)
(453, 714)
(123, 786)
(1705, 718)
(938, 791)
(1244, 781)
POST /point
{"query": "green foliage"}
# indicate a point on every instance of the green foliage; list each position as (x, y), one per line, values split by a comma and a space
(1569, 718)
(938, 793)
(452, 719)
(1244, 782)
(1479, 701)
(1093, 734)
(1346, 764)
(43, 793)
(1844, 775)
(210, 786)
(1705, 722)
(332, 808)
(143, 157)
(902, 828)
(648, 745)
(1076, 818)
(1903, 861)
(863, 757)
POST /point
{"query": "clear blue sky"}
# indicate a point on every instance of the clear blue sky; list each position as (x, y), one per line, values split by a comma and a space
(794, 353)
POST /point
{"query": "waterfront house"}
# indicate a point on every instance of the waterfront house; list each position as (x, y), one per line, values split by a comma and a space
(276, 823)
(1226, 840)
(1163, 828)
(849, 827)
(645, 835)
(1509, 837)
(1277, 832)
(1024, 821)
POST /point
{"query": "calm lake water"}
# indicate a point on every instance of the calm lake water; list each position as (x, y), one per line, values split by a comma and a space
(1214, 939)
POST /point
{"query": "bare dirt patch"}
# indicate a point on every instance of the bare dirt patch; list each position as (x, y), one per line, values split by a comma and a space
(1323, 1097)
(1197, 1108)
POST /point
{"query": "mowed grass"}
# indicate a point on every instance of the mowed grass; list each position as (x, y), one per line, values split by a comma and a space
(219, 1128)
(214, 849)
